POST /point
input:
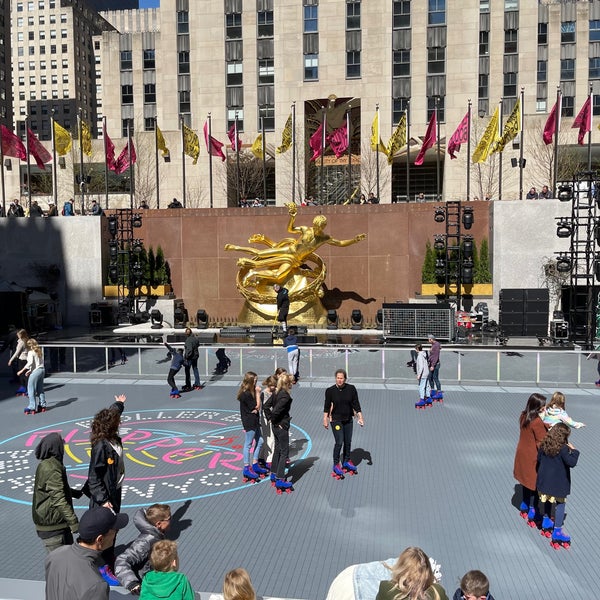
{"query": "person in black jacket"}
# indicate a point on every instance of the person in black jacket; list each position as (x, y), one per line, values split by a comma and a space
(341, 406)
(191, 355)
(280, 420)
(177, 361)
(283, 305)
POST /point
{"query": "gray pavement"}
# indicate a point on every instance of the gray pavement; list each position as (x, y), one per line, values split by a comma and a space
(440, 479)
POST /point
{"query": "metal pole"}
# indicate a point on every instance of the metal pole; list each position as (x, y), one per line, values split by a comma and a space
(210, 174)
(408, 150)
(500, 154)
(28, 165)
(437, 162)
(2, 176)
(556, 132)
(349, 138)
(377, 151)
(522, 111)
(589, 142)
(130, 165)
(322, 169)
(264, 158)
(237, 159)
(183, 158)
(156, 162)
(469, 151)
(81, 171)
(294, 151)
(54, 172)
(105, 163)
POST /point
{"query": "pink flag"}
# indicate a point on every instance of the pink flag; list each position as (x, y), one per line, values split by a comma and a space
(550, 126)
(12, 144)
(316, 143)
(37, 150)
(460, 136)
(234, 138)
(338, 140)
(583, 120)
(122, 163)
(109, 149)
(429, 140)
(214, 147)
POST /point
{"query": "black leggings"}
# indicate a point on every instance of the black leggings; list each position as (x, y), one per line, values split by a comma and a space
(282, 448)
(171, 378)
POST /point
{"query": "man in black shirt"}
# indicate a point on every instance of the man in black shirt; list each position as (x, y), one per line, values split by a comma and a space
(283, 305)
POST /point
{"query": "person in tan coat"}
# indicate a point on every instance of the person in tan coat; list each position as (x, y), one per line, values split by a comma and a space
(532, 432)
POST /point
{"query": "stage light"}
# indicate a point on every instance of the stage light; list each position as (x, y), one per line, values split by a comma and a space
(563, 263)
(379, 318)
(113, 273)
(564, 228)
(138, 274)
(440, 268)
(139, 317)
(467, 217)
(467, 249)
(439, 242)
(113, 225)
(332, 319)
(439, 215)
(137, 246)
(156, 319)
(467, 275)
(113, 250)
(180, 317)
(356, 319)
(565, 193)
(136, 221)
(201, 318)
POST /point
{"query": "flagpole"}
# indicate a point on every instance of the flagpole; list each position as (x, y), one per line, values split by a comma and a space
(556, 131)
(130, 165)
(81, 173)
(408, 150)
(521, 117)
(349, 150)
(469, 150)
(210, 176)
(322, 168)
(2, 175)
(28, 165)
(294, 152)
(54, 172)
(183, 158)
(377, 152)
(437, 162)
(105, 161)
(237, 159)
(264, 158)
(589, 143)
(156, 162)
(499, 134)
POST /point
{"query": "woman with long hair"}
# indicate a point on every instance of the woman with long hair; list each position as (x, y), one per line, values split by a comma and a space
(34, 368)
(237, 585)
(531, 433)
(249, 398)
(280, 420)
(20, 357)
(411, 579)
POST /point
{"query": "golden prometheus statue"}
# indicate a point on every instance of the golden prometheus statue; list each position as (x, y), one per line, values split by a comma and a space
(291, 263)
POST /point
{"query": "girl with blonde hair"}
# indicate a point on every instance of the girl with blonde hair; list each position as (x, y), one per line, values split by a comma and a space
(238, 586)
(280, 420)
(556, 413)
(34, 368)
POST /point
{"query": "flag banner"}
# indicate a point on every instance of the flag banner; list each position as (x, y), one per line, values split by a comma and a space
(122, 163)
(550, 126)
(286, 136)
(109, 149)
(338, 140)
(459, 137)
(191, 143)
(37, 150)
(429, 140)
(236, 142)
(160, 142)
(489, 137)
(12, 144)
(376, 143)
(398, 139)
(583, 120)
(62, 139)
(214, 147)
(257, 147)
(316, 143)
(86, 138)
(511, 128)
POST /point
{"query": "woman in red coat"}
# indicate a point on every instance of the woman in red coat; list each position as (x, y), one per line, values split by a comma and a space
(532, 432)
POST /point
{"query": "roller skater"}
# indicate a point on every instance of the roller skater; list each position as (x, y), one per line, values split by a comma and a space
(177, 361)
(337, 471)
(249, 475)
(35, 372)
(224, 362)
(280, 420)
(434, 369)
(422, 373)
(350, 467)
(249, 398)
(19, 359)
(281, 485)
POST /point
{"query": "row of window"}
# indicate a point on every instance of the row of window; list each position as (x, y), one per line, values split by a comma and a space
(31, 5)
(44, 79)
(149, 60)
(149, 94)
(42, 65)
(64, 34)
(41, 20)
(42, 50)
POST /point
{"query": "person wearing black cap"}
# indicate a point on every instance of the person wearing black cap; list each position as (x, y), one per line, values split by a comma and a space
(72, 572)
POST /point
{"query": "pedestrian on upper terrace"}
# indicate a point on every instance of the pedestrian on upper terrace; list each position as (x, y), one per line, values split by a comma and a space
(371, 199)
(52, 210)
(532, 194)
(15, 209)
(35, 210)
(68, 209)
(144, 205)
(545, 193)
(96, 209)
(175, 204)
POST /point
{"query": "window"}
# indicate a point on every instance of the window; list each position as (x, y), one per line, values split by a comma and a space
(484, 43)
(567, 32)
(541, 105)
(401, 14)
(43, 80)
(231, 118)
(542, 71)
(65, 78)
(31, 50)
(511, 4)
(233, 26)
(595, 104)
(484, 6)
(19, 7)
(184, 102)
(353, 64)
(594, 69)
(399, 106)
(20, 51)
(21, 80)
(183, 61)
(401, 63)
(63, 34)
(32, 65)
(510, 85)
(64, 48)
(127, 128)
(431, 102)
(353, 14)
(21, 66)
(149, 59)
(594, 31)
(42, 49)
(19, 21)
(265, 23)
(52, 18)
(31, 35)
(266, 72)
(42, 35)
(31, 6)
(150, 93)
(311, 67)
(484, 85)
(267, 114)
(311, 19)
(31, 80)
(65, 63)
(149, 124)
(19, 36)
(126, 60)
(53, 34)
(567, 69)
(436, 60)
(437, 12)
(53, 64)
(510, 41)
(183, 22)
(234, 73)
(568, 106)
(126, 94)
(63, 17)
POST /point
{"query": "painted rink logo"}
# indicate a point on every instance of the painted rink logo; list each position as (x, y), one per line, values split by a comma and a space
(171, 455)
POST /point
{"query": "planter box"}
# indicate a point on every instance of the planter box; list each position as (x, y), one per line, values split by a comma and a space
(110, 291)
(475, 289)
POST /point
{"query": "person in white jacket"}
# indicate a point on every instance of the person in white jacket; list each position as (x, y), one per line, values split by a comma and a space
(422, 370)
(34, 367)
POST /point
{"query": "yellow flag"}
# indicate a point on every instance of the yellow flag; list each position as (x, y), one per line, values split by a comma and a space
(86, 138)
(160, 142)
(398, 139)
(489, 137)
(376, 143)
(286, 136)
(512, 127)
(62, 139)
(191, 144)
(257, 147)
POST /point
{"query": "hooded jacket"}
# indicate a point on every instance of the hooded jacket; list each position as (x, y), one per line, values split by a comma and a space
(52, 505)
(160, 585)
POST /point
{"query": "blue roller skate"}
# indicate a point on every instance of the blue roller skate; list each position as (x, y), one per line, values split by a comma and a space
(349, 467)
(421, 404)
(337, 472)
(249, 475)
(559, 538)
(273, 479)
(523, 510)
(437, 395)
(22, 391)
(259, 470)
(532, 521)
(547, 526)
(282, 485)
(175, 394)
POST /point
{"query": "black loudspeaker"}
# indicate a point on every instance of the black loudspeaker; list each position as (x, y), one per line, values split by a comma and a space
(536, 324)
(537, 306)
(513, 306)
(512, 330)
(537, 295)
(510, 318)
(511, 294)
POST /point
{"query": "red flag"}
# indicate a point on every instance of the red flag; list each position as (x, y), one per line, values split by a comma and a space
(338, 140)
(37, 150)
(12, 144)
(460, 136)
(122, 163)
(316, 143)
(583, 120)
(214, 147)
(233, 138)
(429, 140)
(109, 150)
(550, 126)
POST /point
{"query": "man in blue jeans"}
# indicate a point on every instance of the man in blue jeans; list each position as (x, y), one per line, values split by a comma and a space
(435, 386)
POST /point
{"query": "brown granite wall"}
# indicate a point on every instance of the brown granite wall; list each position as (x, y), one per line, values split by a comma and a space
(383, 268)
